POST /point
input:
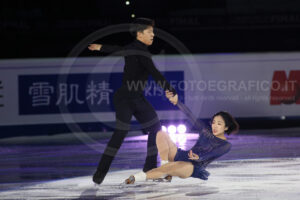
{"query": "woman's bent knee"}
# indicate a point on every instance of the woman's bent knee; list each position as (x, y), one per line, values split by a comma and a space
(161, 134)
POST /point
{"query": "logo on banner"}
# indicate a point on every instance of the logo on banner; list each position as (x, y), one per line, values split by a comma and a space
(81, 93)
(285, 90)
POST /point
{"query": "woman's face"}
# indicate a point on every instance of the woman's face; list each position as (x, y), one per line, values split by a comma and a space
(218, 125)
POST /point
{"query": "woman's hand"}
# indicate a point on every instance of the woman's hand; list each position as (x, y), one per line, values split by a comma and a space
(193, 156)
(172, 98)
(95, 47)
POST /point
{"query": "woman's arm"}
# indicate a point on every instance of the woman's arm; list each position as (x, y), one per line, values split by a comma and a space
(190, 115)
(215, 153)
(174, 100)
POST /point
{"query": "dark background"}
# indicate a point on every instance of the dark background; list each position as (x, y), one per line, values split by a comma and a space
(43, 29)
(31, 29)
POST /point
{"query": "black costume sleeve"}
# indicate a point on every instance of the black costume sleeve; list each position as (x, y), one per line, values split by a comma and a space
(111, 48)
(147, 62)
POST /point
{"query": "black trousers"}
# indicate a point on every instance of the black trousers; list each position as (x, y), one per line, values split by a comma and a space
(145, 114)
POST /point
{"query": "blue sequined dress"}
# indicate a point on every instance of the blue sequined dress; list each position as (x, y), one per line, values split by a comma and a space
(208, 147)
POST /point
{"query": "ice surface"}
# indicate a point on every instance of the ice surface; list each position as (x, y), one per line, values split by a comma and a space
(276, 178)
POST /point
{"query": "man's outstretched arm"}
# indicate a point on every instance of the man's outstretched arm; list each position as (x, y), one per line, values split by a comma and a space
(105, 48)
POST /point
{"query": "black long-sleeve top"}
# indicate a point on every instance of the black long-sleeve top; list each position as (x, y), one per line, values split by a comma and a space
(138, 67)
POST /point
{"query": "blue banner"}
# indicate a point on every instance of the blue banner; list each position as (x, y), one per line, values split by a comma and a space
(83, 93)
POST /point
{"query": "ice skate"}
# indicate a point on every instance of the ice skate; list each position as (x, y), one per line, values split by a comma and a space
(130, 180)
(168, 178)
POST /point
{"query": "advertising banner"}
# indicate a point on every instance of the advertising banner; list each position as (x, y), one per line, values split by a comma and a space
(76, 90)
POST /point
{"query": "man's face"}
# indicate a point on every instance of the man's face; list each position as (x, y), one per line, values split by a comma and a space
(146, 36)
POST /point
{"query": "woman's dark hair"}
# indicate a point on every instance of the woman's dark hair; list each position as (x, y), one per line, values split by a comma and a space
(230, 122)
(139, 25)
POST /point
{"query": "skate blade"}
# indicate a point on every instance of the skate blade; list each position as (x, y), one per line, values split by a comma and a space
(167, 179)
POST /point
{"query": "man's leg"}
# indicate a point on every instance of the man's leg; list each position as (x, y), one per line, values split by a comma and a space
(147, 117)
(123, 117)
(151, 159)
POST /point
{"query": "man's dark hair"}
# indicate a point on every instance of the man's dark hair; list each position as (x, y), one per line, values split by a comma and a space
(139, 25)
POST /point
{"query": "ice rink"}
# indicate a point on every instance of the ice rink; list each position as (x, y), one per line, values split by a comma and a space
(263, 164)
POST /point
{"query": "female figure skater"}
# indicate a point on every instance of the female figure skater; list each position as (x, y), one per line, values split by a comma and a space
(192, 163)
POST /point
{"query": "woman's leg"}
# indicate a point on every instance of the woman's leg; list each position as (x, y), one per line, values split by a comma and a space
(166, 147)
(180, 168)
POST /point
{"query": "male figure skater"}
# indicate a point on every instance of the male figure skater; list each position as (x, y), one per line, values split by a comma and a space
(128, 100)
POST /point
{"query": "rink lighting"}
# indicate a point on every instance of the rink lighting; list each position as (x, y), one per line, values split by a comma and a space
(181, 128)
(171, 129)
(132, 15)
(164, 128)
(181, 138)
(127, 3)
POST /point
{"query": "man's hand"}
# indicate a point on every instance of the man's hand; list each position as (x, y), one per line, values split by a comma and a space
(173, 99)
(193, 156)
(95, 47)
